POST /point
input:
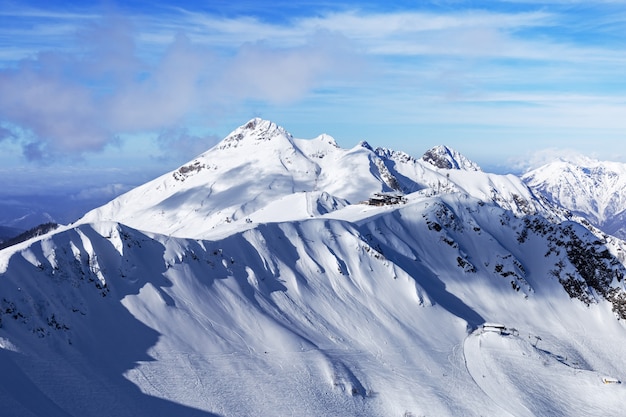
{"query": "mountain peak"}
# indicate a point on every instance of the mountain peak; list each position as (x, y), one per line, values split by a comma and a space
(259, 124)
(255, 130)
(446, 158)
(327, 139)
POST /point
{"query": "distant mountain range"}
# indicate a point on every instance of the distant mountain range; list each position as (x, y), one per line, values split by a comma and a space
(591, 189)
(280, 276)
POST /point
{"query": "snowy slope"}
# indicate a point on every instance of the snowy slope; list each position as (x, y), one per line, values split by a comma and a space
(311, 303)
(594, 190)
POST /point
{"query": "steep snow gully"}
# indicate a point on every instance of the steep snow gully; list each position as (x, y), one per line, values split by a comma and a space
(278, 276)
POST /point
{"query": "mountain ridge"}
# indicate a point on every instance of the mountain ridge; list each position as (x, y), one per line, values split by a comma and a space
(281, 165)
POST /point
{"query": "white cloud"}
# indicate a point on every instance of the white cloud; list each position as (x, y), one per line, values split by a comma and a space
(164, 97)
(148, 74)
(180, 142)
(481, 33)
(53, 109)
(478, 33)
(80, 101)
(262, 72)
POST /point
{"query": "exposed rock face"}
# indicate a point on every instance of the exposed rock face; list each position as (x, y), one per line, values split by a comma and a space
(445, 158)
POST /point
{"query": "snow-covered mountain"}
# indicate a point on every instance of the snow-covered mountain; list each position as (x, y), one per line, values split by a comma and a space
(261, 173)
(279, 276)
(594, 190)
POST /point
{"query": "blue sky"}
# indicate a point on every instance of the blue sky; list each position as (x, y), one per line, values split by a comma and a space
(105, 95)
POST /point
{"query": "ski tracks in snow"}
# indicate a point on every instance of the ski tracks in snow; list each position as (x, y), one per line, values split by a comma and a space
(490, 383)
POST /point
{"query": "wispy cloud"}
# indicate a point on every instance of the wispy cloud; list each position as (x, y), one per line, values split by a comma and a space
(183, 143)
(79, 101)
(392, 33)
(475, 33)
(78, 87)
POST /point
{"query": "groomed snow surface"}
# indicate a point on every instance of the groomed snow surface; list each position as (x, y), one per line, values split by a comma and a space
(290, 297)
